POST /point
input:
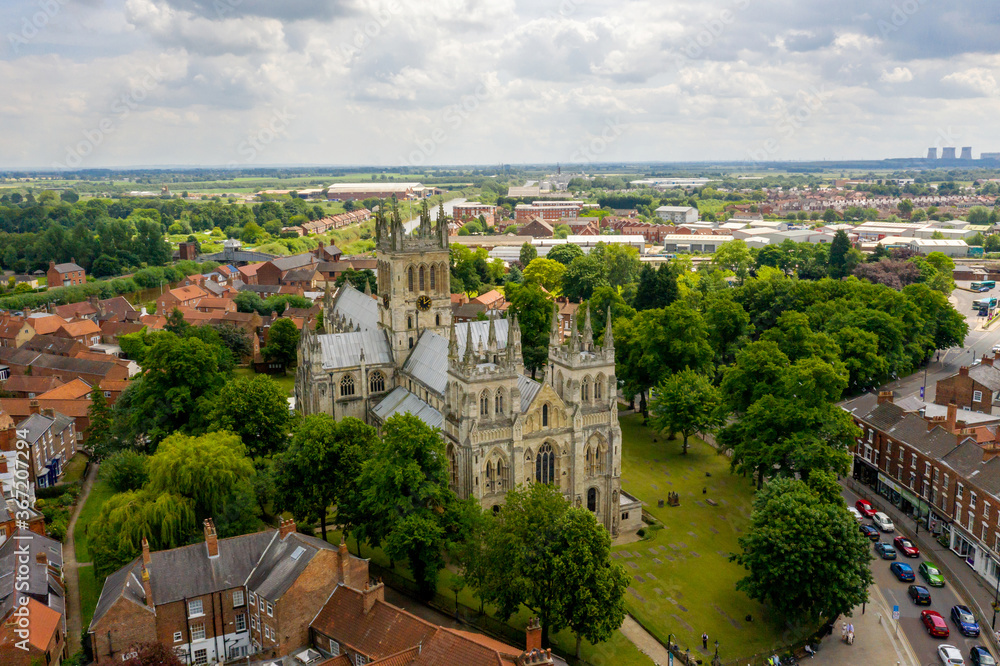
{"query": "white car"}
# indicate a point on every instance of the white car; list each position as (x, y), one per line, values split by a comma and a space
(950, 656)
(883, 522)
(857, 514)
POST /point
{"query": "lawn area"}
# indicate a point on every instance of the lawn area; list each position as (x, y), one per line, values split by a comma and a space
(100, 492)
(73, 471)
(286, 382)
(682, 581)
(89, 594)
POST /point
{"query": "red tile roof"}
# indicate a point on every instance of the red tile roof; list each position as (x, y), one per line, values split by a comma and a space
(70, 391)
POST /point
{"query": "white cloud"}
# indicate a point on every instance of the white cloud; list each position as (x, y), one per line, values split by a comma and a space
(978, 79)
(897, 75)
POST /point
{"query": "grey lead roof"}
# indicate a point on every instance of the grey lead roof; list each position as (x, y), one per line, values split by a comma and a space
(402, 401)
(480, 334)
(36, 425)
(529, 388)
(39, 585)
(428, 362)
(343, 350)
(122, 584)
(276, 570)
(357, 307)
(66, 268)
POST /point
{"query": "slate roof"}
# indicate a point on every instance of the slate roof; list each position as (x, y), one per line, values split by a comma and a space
(277, 569)
(912, 430)
(987, 375)
(41, 584)
(304, 274)
(343, 350)
(480, 334)
(293, 261)
(36, 425)
(122, 584)
(428, 362)
(529, 388)
(68, 268)
(356, 306)
(401, 401)
(77, 365)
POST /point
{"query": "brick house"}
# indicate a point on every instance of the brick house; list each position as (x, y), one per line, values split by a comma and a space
(84, 331)
(61, 367)
(15, 331)
(272, 272)
(537, 228)
(51, 437)
(936, 469)
(188, 296)
(224, 598)
(65, 275)
(58, 345)
(41, 638)
(81, 310)
(974, 388)
(27, 386)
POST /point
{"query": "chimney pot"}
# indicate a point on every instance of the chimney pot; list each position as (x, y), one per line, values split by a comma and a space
(885, 396)
(963, 371)
(533, 635)
(287, 527)
(987, 360)
(211, 539)
(147, 586)
(952, 416)
(146, 559)
(371, 594)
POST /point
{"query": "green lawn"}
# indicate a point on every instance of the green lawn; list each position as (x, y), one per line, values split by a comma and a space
(286, 381)
(90, 592)
(682, 581)
(73, 471)
(99, 494)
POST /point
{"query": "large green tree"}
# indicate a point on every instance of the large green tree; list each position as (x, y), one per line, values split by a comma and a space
(321, 467)
(282, 342)
(98, 432)
(585, 274)
(841, 245)
(686, 403)
(255, 408)
(564, 254)
(534, 314)
(805, 559)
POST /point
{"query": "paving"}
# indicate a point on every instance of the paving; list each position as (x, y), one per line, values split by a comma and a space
(877, 641)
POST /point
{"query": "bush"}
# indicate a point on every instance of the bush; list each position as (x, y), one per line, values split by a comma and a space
(125, 470)
(641, 532)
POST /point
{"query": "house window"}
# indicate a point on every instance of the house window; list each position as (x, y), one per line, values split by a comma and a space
(360, 660)
(261, 604)
(958, 491)
(334, 648)
(201, 656)
(107, 394)
(977, 396)
(237, 598)
(347, 386)
(913, 480)
(270, 609)
(241, 622)
(934, 475)
(253, 599)
(253, 623)
(972, 500)
(178, 636)
(871, 434)
(195, 608)
(198, 631)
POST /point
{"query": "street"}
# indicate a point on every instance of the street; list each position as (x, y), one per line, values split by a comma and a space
(895, 592)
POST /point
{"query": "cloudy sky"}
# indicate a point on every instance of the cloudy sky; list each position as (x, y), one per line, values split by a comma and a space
(94, 83)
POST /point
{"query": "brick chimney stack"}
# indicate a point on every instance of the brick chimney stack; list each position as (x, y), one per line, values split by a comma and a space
(885, 396)
(371, 594)
(146, 559)
(147, 586)
(40, 558)
(533, 635)
(343, 557)
(963, 371)
(287, 527)
(33, 406)
(211, 540)
(952, 416)
(935, 421)
(987, 360)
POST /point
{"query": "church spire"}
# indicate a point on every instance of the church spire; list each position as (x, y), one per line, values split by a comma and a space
(588, 332)
(491, 340)
(574, 335)
(609, 338)
(368, 292)
(442, 225)
(555, 339)
(469, 356)
(453, 346)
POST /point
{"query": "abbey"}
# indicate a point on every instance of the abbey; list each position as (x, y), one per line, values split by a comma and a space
(400, 352)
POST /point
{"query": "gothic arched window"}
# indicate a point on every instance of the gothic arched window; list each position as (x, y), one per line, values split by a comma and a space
(409, 277)
(545, 464)
(484, 403)
(545, 415)
(599, 388)
(453, 466)
(376, 382)
(433, 277)
(421, 278)
(592, 500)
(498, 407)
(585, 389)
(347, 385)
(589, 465)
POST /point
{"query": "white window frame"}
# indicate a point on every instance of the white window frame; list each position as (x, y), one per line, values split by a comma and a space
(959, 491)
(238, 598)
(241, 622)
(200, 657)
(270, 609)
(972, 500)
(196, 608)
(178, 636)
(261, 600)
(977, 396)
(253, 599)
(196, 629)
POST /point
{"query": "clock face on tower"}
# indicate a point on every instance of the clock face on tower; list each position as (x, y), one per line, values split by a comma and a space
(424, 303)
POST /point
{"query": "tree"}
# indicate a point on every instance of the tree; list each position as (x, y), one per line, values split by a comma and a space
(282, 342)
(179, 380)
(540, 553)
(729, 327)
(404, 501)
(564, 254)
(176, 324)
(256, 409)
(839, 248)
(657, 288)
(791, 565)
(528, 254)
(125, 470)
(978, 215)
(152, 654)
(98, 433)
(237, 340)
(583, 276)
(686, 403)
(860, 354)
(545, 273)
(534, 314)
(905, 207)
(321, 467)
(830, 216)
(734, 256)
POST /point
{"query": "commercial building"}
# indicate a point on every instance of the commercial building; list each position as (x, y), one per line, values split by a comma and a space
(550, 211)
(678, 214)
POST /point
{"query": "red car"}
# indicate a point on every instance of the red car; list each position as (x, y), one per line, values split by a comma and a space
(906, 547)
(934, 623)
(865, 507)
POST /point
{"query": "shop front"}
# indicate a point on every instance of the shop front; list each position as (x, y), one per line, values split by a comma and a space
(865, 472)
(962, 545)
(889, 489)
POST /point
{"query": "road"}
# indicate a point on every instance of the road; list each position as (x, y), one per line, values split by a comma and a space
(449, 208)
(948, 361)
(894, 591)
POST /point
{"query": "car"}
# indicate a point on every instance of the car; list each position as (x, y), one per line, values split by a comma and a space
(870, 532)
(931, 574)
(980, 656)
(919, 595)
(964, 620)
(934, 624)
(983, 289)
(885, 550)
(903, 572)
(855, 514)
(996, 348)
(906, 546)
(950, 656)
(883, 522)
(865, 508)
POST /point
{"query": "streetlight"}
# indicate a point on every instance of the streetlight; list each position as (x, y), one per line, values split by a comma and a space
(715, 660)
(996, 601)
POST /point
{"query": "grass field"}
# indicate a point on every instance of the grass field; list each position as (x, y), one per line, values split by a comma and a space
(73, 471)
(99, 494)
(90, 592)
(286, 381)
(682, 581)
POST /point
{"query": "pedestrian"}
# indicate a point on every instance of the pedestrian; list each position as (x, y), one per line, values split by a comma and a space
(704, 640)
(843, 631)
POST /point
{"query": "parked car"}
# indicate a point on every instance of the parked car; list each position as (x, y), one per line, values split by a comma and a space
(964, 620)
(865, 508)
(931, 574)
(919, 595)
(883, 522)
(906, 546)
(934, 623)
(870, 532)
(901, 571)
(980, 656)
(950, 656)
(885, 551)
(855, 513)
(983, 289)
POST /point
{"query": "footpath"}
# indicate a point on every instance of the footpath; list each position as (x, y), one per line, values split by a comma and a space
(960, 575)
(70, 568)
(876, 639)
